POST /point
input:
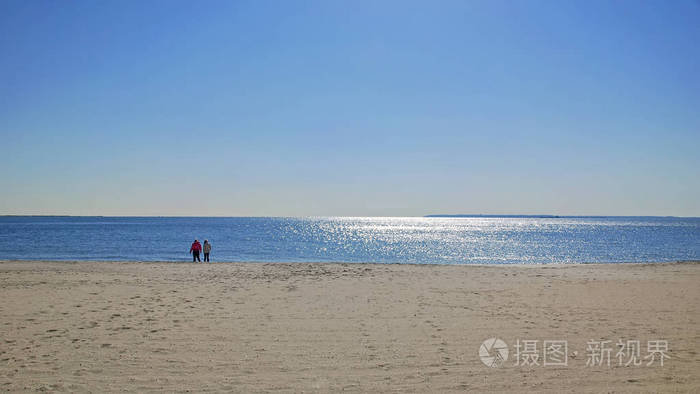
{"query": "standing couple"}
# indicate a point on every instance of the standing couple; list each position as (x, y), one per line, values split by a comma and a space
(197, 247)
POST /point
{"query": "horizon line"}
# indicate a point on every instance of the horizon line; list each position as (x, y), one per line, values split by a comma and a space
(543, 216)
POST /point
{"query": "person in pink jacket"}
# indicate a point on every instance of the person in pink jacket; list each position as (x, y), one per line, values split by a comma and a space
(195, 249)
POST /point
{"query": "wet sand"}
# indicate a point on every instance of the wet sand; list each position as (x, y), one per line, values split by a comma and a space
(252, 327)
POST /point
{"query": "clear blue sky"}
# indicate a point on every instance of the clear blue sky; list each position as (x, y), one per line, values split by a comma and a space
(350, 107)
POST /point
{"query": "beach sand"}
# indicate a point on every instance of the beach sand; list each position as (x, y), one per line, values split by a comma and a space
(253, 327)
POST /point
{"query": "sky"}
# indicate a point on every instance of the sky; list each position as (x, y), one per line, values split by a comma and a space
(349, 108)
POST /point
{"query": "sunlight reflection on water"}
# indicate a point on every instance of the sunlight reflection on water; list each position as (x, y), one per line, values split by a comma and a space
(385, 240)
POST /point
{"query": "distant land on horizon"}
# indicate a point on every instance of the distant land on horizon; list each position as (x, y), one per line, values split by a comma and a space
(540, 216)
(477, 215)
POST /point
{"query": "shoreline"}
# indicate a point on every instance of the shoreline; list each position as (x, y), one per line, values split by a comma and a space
(626, 263)
(360, 327)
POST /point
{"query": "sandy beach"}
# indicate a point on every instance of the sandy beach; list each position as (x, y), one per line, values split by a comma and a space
(253, 327)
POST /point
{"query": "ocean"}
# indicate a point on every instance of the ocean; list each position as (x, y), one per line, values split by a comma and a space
(417, 240)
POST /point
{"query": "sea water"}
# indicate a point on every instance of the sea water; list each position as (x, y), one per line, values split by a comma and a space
(419, 240)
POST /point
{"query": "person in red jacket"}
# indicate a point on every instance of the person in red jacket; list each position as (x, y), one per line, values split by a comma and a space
(195, 249)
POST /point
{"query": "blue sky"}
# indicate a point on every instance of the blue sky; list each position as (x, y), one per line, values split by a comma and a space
(373, 108)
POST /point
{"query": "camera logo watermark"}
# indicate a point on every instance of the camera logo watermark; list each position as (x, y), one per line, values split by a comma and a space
(493, 352)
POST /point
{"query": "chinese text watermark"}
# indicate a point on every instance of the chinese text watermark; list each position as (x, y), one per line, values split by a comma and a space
(494, 352)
